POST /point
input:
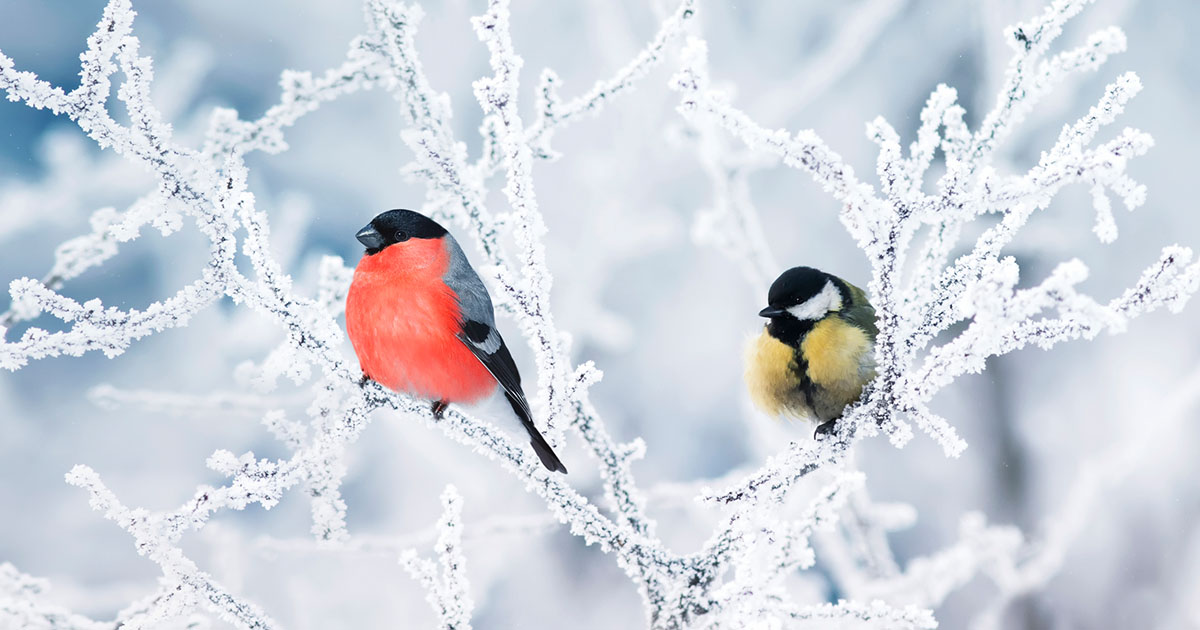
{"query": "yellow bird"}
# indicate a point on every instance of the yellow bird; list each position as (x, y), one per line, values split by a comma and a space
(816, 351)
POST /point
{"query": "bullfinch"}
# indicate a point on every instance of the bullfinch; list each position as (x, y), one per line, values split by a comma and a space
(817, 350)
(421, 321)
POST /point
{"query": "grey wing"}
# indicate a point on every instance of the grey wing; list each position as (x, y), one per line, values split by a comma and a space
(478, 323)
(479, 334)
(473, 299)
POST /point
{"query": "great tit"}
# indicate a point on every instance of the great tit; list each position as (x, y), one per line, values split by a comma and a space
(816, 352)
(421, 321)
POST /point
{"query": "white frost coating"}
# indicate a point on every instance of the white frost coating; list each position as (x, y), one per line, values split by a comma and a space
(391, 546)
(445, 582)
(733, 227)
(761, 538)
(209, 185)
(853, 614)
(920, 294)
(980, 285)
(24, 604)
(156, 536)
(928, 580)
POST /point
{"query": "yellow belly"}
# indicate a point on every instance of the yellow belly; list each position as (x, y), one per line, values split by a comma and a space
(771, 376)
(839, 359)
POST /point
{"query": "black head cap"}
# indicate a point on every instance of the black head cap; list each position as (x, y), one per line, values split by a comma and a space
(792, 287)
(397, 226)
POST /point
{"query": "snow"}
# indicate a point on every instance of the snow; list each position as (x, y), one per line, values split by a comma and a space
(947, 304)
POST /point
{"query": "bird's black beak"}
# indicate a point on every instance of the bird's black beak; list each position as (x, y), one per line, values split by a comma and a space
(771, 311)
(370, 238)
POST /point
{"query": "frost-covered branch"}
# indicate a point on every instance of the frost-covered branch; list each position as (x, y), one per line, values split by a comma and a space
(446, 581)
(764, 549)
(850, 40)
(919, 299)
(761, 537)
(554, 114)
(211, 184)
(853, 614)
(522, 526)
(23, 605)
(732, 225)
(803, 150)
(980, 285)
(734, 228)
(928, 580)
(155, 537)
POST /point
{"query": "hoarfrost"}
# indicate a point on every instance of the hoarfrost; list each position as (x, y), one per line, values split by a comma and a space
(769, 525)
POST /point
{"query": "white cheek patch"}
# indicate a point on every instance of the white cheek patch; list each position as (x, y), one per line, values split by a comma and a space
(817, 306)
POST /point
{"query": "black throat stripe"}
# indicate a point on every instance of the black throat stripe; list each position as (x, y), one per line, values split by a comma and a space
(789, 330)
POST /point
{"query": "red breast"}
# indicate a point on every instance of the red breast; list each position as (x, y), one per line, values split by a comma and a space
(403, 322)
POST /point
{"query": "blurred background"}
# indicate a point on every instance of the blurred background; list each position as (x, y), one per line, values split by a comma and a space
(664, 316)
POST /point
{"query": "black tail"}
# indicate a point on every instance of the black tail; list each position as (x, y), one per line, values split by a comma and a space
(540, 446)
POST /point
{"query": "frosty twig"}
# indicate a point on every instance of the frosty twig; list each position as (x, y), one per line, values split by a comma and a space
(760, 540)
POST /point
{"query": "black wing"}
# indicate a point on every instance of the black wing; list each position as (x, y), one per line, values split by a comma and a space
(487, 346)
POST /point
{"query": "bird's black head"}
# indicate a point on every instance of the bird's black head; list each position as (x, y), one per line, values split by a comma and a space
(799, 298)
(397, 226)
(805, 294)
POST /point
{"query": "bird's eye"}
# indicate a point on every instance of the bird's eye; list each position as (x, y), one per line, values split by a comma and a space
(401, 236)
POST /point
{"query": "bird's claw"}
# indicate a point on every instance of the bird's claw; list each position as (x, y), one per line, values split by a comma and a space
(825, 429)
(439, 408)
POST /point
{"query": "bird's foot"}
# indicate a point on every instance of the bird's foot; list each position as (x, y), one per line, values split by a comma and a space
(362, 382)
(825, 429)
(439, 408)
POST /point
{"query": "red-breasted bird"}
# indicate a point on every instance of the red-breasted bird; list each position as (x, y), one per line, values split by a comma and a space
(816, 352)
(421, 321)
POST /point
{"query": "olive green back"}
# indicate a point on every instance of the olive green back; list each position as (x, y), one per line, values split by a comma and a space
(860, 312)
